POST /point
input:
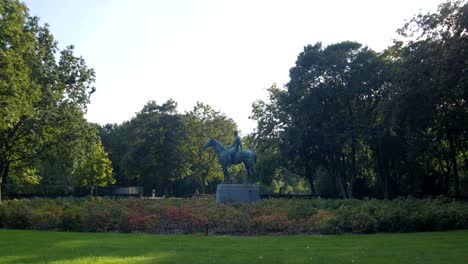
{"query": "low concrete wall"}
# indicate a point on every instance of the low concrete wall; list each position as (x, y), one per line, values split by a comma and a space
(243, 193)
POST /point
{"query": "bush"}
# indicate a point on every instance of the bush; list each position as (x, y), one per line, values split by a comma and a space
(323, 222)
(272, 223)
(74, 219)
(355, 219)
(326, 216)
(47, 217)
(16, 214)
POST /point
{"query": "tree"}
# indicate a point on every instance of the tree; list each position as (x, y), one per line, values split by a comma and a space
(328, 102)
(160, 148)
(94, 168)
(154, 153)
(429, 103)
(115, 139)
(42, 100)
(266, 140)
(384, 124)
(202, 123)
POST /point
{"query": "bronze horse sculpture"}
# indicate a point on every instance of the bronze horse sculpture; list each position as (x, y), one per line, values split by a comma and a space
(245, 156)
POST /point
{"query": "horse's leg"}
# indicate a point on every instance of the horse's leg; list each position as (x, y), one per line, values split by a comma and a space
(226, 175)
(247, 169)
(254, 175)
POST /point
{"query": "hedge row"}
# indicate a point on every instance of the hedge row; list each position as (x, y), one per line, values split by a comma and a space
(283, 216)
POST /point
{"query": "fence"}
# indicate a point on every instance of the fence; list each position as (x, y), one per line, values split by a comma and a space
(54, 190)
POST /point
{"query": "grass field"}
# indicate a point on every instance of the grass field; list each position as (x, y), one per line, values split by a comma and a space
(19, 246)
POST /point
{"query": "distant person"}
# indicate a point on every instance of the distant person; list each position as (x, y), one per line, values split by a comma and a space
(153, 193)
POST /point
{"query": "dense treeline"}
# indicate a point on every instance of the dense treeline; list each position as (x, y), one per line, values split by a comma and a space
(161, 149)
(354, 122)
(351, 122)
(43, 96)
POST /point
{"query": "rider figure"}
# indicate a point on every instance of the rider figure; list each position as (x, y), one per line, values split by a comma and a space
(236, 145)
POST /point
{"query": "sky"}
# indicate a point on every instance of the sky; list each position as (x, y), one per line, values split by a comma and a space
(222, 53)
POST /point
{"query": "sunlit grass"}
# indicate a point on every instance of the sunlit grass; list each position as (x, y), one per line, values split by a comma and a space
(19, 246)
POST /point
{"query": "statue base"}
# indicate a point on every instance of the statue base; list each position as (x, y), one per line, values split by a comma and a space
(240, 193)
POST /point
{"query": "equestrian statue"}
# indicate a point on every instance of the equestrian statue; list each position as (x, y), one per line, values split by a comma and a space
(234, 155)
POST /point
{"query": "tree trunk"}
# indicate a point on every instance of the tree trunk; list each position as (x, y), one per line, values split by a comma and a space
(310, 177)
(4, 170)
(342, 175)
(381, 170)
(353, 167)
(447, 178)
(353, 154)
(453, 156)
(165, 187)
(203, 182)
(444, 177)
(386, 187)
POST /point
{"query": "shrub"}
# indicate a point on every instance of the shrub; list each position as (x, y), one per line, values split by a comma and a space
(301, 210)
(150, 223)
(74, 219)
(323, 221)
(272, 223)
(47, 217)
(355, 220)
(325, 216)
(16, 214)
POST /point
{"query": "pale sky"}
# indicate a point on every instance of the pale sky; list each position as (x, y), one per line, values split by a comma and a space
(222, 53)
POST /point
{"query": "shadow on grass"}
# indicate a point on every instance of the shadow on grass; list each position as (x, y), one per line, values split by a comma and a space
(58, 247)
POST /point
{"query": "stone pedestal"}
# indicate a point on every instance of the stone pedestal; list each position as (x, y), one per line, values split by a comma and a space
(241, 193)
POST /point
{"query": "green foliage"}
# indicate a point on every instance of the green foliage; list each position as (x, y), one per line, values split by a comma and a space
(160, 148)
(43, 101)
(357, 123)
(284, 216)
(149, 149)
(16, 214)
(94, 169)
(74, 218)
(18, 92)
(204, 122)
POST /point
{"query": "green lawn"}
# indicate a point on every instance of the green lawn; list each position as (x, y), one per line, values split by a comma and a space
(18, 246)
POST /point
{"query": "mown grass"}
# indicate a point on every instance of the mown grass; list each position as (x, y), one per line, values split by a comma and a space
(20, 246)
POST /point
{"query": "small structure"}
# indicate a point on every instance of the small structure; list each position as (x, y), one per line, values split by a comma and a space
(129, 191)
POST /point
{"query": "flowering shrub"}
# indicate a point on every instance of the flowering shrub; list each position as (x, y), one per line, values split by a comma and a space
(16, 214)
(286, 216)
(275, 222)
(323, 222)
(47, 217)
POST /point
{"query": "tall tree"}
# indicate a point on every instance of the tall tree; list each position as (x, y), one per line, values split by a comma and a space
(329, 99)
(155, 153)
(267, 139)
(429, 100)
(93, 168)
(41, 99)
(204, 122)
